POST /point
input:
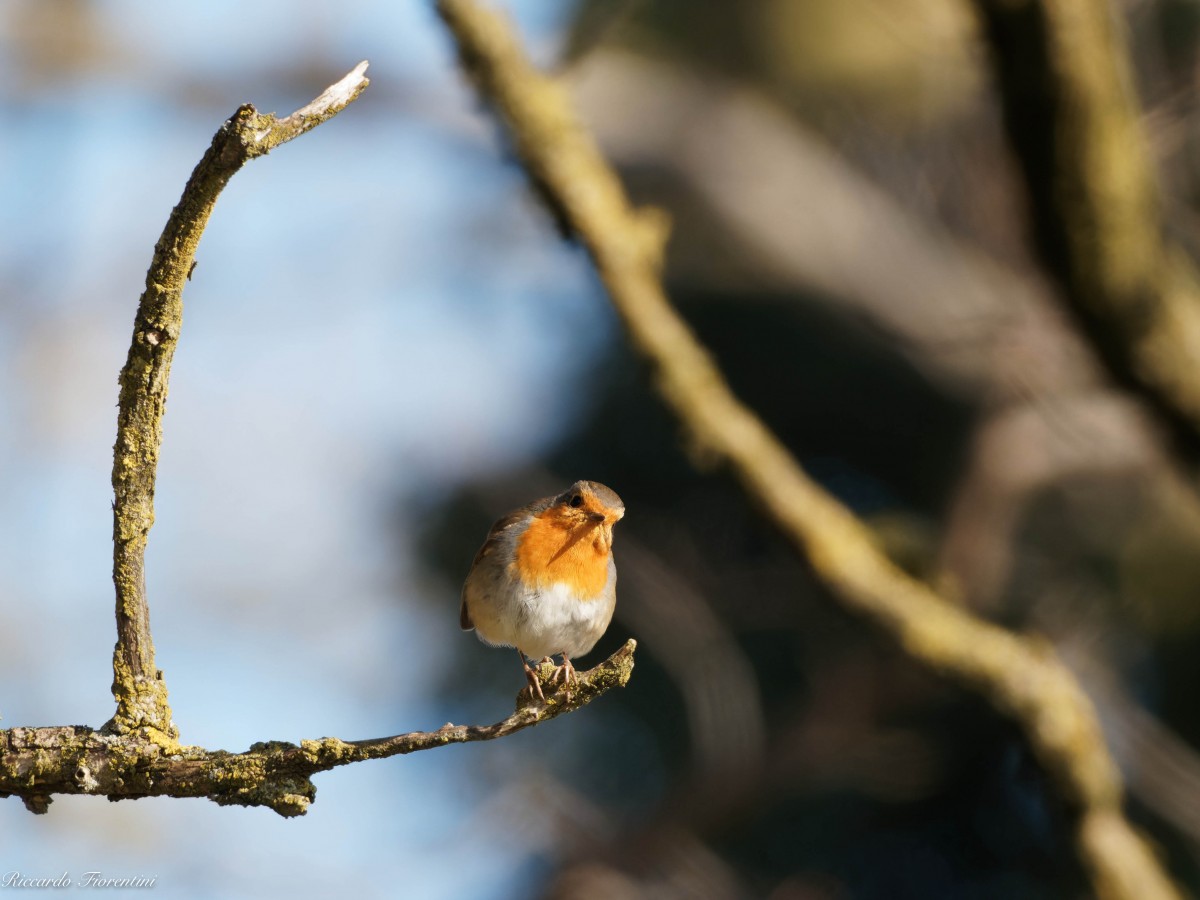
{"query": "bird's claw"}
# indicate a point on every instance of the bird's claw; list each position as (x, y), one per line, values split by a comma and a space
(535, 684)
(566, 676)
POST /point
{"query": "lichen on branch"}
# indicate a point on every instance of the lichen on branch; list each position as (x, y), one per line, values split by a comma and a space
(36, 763)
(138, 686)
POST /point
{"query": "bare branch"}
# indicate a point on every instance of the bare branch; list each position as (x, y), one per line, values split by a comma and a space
(1021, 677)
(138, 686)
(1067, 87)
(36, 763)
(137, 754)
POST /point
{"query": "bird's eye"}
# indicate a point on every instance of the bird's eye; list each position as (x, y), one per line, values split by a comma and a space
(576, 500)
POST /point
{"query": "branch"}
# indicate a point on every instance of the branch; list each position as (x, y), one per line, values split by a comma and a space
(38, 762)
(1072, 117)
(1021, 677)
(137, 754)
(138, 686)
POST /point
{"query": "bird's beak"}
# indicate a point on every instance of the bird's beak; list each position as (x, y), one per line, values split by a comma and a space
(596, 516)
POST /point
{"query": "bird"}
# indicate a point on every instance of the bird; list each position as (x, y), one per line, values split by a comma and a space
(545, 581)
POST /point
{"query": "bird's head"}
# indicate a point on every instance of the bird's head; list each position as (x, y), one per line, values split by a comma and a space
(587, 504)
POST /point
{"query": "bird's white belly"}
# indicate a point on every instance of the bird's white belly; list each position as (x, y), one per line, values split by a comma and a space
(549, 620)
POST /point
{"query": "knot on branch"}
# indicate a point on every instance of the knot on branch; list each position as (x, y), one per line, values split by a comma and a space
(255, 785)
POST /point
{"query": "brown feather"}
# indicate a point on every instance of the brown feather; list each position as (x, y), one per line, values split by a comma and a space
(489, 546)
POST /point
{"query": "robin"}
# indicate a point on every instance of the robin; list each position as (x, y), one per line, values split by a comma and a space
(544, 581)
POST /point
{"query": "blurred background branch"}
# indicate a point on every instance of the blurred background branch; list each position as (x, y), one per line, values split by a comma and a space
(1072, 117)
(1021, 678)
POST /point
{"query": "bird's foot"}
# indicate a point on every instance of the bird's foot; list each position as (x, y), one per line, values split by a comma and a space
(566, 676)
(535, 683)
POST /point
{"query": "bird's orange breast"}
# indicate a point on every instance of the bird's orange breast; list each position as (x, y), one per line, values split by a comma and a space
(549, 553)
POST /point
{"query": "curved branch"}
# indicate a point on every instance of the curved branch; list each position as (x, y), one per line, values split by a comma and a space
(137, 753)
(138, 686)
(38, 762)
(1021, 677)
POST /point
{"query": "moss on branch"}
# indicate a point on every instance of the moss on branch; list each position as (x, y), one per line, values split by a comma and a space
(138, 686)
(36, 763)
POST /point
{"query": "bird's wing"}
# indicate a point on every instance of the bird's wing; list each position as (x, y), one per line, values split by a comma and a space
(497, 532)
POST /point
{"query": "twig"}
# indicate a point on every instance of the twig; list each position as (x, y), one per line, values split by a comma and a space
(138, 686)
(1066, 84)
(38, 762)
(1021, 677)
